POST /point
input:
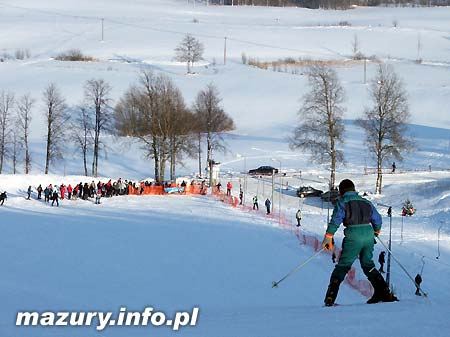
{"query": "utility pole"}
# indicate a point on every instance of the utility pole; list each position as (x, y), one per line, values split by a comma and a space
(273, 174)
(225, 51)
(103, 21)
(365, 70)
(388, 269)
(439, 236)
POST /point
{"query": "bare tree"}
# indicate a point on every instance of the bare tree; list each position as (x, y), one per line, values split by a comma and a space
(81, 127)
(213, 122)
(24, 106)
(97, 93)
(321, 126)
(385, 123)
(16, 145)
(190, 50)
(56, 116)
(6, 105)
(154, 112)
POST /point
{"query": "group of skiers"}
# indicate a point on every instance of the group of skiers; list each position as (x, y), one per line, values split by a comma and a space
(81, 190)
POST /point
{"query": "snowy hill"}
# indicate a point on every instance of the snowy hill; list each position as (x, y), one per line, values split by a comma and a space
(177, 252)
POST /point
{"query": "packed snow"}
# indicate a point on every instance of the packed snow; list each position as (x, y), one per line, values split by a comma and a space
(174, 252)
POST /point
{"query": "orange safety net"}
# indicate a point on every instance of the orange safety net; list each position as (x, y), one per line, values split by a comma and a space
(147, 190)
(159, 190)
(228, 199)
(363, 286)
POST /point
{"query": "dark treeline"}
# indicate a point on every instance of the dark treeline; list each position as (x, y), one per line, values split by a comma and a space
(331, 4)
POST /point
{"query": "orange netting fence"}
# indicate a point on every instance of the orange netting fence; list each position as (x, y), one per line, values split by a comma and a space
(289, 223)
(166, 189)
(363, 286)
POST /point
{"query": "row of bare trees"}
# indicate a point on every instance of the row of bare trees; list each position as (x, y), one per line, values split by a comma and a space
(15, 119)
(154, 111)
(321, 127)
(82, 124)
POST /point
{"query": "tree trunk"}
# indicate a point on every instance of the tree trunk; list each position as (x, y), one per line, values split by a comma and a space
(96, 142)
(85, 160)
(208, 158)
(163, 159)
(156, 158)
(27, 152)
(379, 174)
(49, 142)
(2, 146)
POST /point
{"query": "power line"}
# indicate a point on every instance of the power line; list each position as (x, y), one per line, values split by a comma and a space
(152, 28)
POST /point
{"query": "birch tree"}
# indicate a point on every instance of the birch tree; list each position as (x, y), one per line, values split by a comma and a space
(321, 128)
(56, 116)
(97, 95)
(385, 122)
(24, 107)
(213, 122)
(190, 50)
(6, 106)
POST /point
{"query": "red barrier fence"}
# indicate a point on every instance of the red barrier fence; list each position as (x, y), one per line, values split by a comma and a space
(159, 190)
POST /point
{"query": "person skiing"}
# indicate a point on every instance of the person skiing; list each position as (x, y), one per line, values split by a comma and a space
(229, 186)
(3, 197)
(255, 202)
(393, 167)
(55, 197)
(361, 221)
(381, 261)
(241, 197)
(39, 190)
(29, 193)
(298, 216)
(418, 280)
(267, 204)
(218, 186)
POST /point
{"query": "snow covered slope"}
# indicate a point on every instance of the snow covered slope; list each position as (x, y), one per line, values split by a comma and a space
(174, 252)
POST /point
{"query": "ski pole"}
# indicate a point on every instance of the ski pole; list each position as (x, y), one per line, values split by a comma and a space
(275, 284)
(401, 266)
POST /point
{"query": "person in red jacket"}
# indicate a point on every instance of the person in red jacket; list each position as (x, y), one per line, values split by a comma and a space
(62, 189)
(69, 192)
(229, 186)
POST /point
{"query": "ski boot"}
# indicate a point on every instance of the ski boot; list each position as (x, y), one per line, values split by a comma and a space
(333, 289)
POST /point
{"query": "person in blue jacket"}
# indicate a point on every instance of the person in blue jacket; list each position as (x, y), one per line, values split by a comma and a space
(361, 221)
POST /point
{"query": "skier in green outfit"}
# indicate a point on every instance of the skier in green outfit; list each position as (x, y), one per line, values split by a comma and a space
(361, 221)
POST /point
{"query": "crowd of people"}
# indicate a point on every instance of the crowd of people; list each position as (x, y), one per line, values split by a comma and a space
(84, 191)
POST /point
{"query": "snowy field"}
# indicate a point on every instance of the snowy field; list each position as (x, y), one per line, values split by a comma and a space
(177, 252)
